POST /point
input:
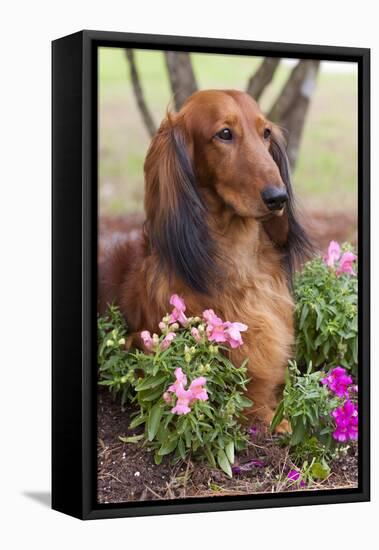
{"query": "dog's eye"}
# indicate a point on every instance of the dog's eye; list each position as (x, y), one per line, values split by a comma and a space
(225, 134)
(266, 133)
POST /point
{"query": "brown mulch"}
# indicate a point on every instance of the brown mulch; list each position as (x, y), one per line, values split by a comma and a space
(127, 472)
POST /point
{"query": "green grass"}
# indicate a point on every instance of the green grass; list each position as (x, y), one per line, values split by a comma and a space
(326, 173)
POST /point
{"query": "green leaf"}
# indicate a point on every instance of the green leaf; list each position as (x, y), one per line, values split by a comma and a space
(131, 439)
(278, 416)
(182, 449)
(209, 455)
(320, 470)
(303, 316)
(157, 458)
(224, 463)
(168, 447)
(298, 432)
(155, 416)
(229, 451)
(151, 382)
(137, 421)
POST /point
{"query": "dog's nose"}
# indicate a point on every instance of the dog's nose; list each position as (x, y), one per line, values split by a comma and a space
(274, 198)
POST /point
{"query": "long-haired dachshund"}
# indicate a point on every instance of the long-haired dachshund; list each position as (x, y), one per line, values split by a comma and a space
(220, 231)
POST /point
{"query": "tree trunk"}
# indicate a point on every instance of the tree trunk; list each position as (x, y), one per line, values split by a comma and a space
(138, 92)
(262, 77)
(290, 108)
(181, 75)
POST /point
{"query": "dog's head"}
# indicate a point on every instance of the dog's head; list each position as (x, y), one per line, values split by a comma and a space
(218, 153)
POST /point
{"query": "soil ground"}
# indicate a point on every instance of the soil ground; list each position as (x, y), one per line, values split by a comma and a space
(126, 471)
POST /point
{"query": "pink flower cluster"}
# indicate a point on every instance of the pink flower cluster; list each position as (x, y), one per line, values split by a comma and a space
(345, 260)
(223, 331)
(338, 382)
(152, 342)
(345, 416)
(185, 398)
(346, 419)
(214, 328)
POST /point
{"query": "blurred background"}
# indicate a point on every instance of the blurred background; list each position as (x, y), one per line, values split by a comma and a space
(316, 102)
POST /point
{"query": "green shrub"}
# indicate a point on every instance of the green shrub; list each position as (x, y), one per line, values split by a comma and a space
(212, 429)
(326, 317)
(309, 404)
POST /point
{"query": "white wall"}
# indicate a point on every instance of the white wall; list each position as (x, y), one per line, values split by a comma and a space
(27, 28)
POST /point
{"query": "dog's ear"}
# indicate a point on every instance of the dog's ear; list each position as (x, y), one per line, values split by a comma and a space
(176, 215)
(286, 231)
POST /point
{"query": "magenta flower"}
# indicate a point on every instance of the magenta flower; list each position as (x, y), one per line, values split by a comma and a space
(333, 254)
(346, 419)
(345, 265)
(338, 382)
(177, 313)
(170, 336)
(293, 475)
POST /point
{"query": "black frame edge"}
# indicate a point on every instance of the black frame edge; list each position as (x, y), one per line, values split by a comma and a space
(67, 424)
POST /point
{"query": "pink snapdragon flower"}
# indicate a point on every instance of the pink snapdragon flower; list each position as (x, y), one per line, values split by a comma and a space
(197, 390)
(220, 331)
(344, 262)
(345, 265)
(170, 336)
(177, 313)
(185, 398)
(215, 326)
(338, 381)
(181, 381)
(148, 340)
(333, 254)
(183, 401)
(151, 343)
(346, 419)
(233, 333)
(196, 334)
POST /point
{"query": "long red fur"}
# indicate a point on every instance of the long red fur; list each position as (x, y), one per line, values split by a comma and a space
(203, 203)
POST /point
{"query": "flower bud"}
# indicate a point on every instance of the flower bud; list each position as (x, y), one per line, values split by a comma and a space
(109, 343)
(174, 326)
(166, 319)
(155, 338)
(124, 379)
(121, 342)
(162, 326)
(187, 357)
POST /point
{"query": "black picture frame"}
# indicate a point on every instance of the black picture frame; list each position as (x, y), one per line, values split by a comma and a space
(74, 272)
